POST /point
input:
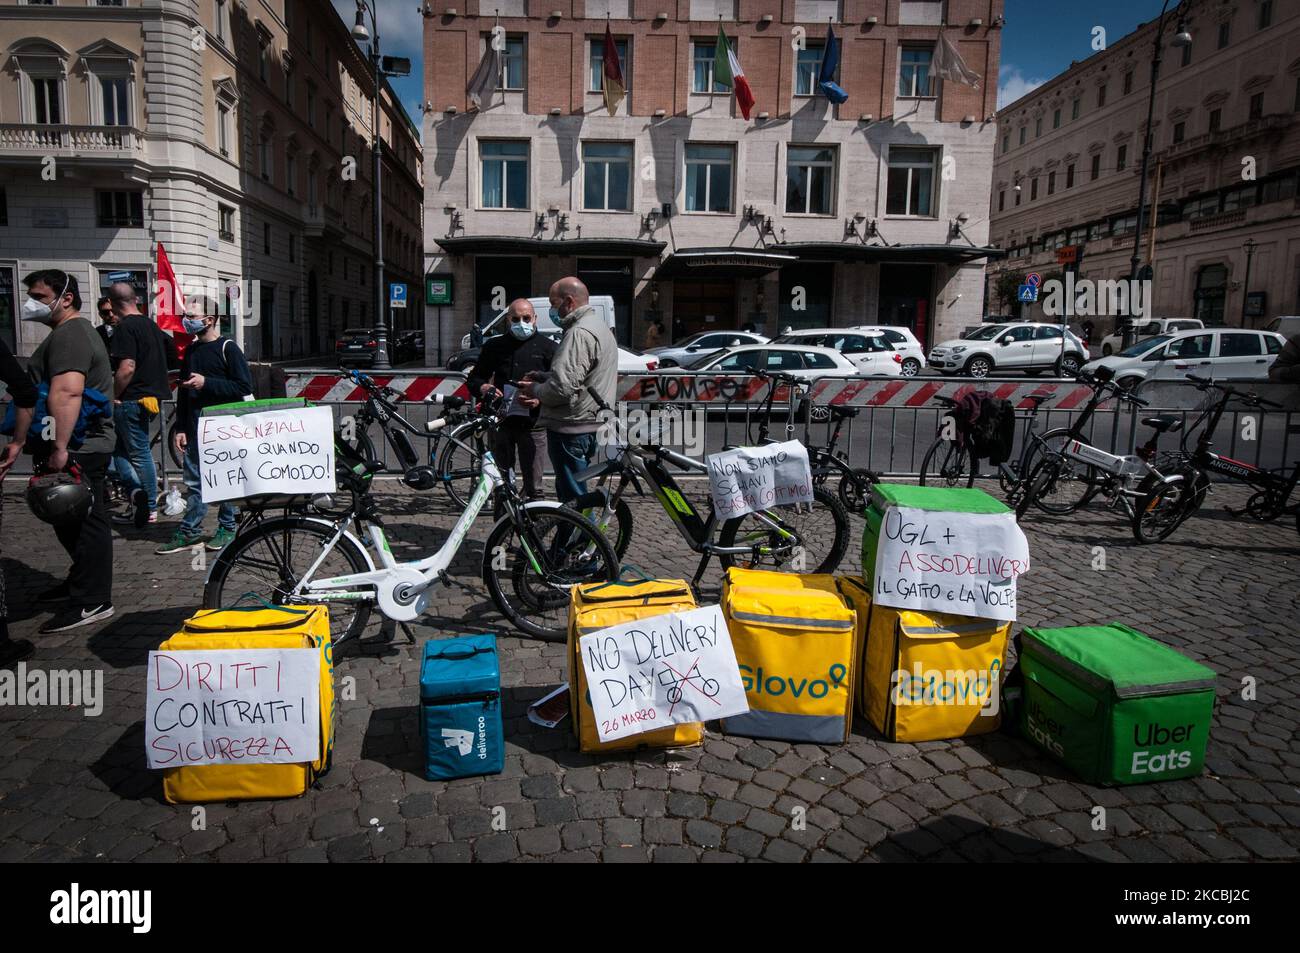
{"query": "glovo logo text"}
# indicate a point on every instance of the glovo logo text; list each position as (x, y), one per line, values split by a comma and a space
(923, 686)
(762, 681)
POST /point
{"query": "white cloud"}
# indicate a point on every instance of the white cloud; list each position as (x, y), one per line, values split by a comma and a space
(1012, 84)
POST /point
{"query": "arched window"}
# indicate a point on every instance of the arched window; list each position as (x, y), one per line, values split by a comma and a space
(1211, 293)
(42, 77)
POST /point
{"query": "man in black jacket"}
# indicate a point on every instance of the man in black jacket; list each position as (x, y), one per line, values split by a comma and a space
(504, 360)
(23, 393)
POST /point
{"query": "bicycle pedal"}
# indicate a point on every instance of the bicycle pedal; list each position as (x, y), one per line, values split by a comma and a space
(448, 581)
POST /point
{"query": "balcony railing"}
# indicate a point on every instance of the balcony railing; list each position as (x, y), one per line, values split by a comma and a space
(1218, 220)
(1220, 138)
(320, 220)
(77, 140)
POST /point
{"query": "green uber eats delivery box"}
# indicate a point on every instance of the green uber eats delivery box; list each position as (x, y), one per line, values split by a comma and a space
(1114, 705)
(936, 499)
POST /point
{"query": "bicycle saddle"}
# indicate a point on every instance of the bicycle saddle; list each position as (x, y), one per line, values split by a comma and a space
(843, 413)
(1037, 399)
(1164, 423)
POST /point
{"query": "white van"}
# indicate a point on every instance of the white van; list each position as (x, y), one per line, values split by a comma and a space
(542, 306)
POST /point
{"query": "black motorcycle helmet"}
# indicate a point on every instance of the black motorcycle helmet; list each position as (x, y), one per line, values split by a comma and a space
(59, 498)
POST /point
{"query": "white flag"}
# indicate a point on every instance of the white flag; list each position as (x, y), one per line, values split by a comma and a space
(948, 64)
(484, 81)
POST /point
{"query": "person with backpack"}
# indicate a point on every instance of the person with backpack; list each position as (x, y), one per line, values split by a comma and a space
(213, 371)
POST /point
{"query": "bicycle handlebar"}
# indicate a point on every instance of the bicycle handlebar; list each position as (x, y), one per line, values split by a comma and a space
(1205, 383)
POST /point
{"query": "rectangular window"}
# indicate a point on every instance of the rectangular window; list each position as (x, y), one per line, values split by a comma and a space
(1101, 96)
(1098, 230)
(288, 88)
(709, 177)
(702, 76)
(264, 157)
(1017, 198)
(1242, 197)
(1033, 188)
(1002, 199)
(910, 187)
(1216, 118)
(807, 64)
(1056, 119)
(1180, 131)
(1201, 206)
(1187, 55)
(223, 129)
(1069, 176)
(1128, 82)
(4, 207)
(291, 174)
(1022, 135)
(116, 110)
(1095, 172)
(220, 22)
(266, 238)
(1257, 106)
(1038, 127)
(597, 79)
(809, 180)
(293, 247)
(1121, 158)
(45, 92)
(311, 105)
(264, 64)
(226, 222)
(1006, 143)
(512, 63)
(1265, 13)
(914, 78)
(1225, 33)
(120, 209)
(505, 174)
(1075, 106)
(607, 176)
(1051, 183)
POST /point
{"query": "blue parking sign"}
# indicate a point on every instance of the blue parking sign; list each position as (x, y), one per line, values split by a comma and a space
(1027, 293)
(396, 295)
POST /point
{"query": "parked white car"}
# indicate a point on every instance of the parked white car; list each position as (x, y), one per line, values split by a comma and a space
(1113, 343)
(1287, 325)
(1220, 353)
(698, 345)
(807, 362)
(636, 362)
(869, 350)
(904, 342)
(1025, 346)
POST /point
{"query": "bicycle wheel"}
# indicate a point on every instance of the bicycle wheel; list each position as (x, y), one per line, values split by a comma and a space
(817, 531)
(1039, 484)
(270, 559)
(1076, 482)
(460, 461)
(1163, 510)
(947, 464)
(530, 566)
(855, 488)
(178, 460)
(615, 522)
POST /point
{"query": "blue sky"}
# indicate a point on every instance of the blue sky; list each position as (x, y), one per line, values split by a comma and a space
(1040, 39)
(1043, 36)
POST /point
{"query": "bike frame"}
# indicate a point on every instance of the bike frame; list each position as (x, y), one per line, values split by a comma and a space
(1206, 459)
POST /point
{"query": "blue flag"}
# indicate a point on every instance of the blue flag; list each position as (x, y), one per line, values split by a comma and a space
(830, 63)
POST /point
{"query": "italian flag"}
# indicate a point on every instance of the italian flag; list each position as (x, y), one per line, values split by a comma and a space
(728, 72)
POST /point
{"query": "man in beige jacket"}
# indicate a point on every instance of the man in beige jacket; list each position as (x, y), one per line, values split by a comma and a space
(587, 358)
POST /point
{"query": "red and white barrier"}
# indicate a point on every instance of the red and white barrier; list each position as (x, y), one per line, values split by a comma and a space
(338, 388)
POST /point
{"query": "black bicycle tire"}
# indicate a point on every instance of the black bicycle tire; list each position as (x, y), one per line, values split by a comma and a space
(854, 488)
(1090, 478)
(821, 497)
(215, 598)
(1144, 505)
(1042, 474)
(493, 584)
(962, 451)
(455, 442)
(622, 518)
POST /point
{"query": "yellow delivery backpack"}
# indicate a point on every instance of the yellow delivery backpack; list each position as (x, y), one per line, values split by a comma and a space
(793, 635)
(931, 675)
(256, 627)
(598, 606)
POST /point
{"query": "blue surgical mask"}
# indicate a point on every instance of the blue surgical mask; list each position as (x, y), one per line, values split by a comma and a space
(523, 330)
(555, 315)
(195, 326)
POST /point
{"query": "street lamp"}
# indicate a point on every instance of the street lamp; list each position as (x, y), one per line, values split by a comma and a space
(1249, 248)
(1181, 38)
(362, 35)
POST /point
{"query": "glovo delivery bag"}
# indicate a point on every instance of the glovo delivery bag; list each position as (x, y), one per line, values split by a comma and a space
(857, 592)
(927, 676)
(1115, 706)
(597, 606)
(793, 636)
(256, 627)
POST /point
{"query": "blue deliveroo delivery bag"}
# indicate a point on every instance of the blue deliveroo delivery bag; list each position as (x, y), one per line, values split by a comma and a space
(460, 708)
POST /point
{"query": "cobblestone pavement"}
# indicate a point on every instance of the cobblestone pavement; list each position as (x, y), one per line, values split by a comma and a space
(1222, 591)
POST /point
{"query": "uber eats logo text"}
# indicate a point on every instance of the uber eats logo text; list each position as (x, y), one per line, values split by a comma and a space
(76, 906)
(761, 681)
(1045, 729)
(1156, 735)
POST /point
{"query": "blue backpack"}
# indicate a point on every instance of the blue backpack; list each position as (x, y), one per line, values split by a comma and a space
(94, 405)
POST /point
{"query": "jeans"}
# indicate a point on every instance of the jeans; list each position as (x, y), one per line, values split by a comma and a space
(90, 541)
(133, 459)
(195, 508)
(570, 452)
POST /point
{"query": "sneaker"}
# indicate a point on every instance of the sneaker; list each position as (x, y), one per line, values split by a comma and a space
(140, 501)
(74, 617)
(179, 543)
(57, 593)
(13, 651)
(220, 538)
(153, 516)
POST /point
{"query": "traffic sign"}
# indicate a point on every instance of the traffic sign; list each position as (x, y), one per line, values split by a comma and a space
(1027, 293)
(396, 295)
(1034, 279)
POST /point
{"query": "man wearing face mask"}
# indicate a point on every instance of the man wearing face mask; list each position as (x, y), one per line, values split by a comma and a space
(107, 321)
(73, 364)
(504, 361)
(213, 371)
(587, 358)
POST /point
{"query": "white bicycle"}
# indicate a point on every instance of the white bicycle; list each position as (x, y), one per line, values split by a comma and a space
(536, 552)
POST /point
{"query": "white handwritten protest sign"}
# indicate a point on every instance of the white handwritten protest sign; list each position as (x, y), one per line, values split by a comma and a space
(663, 670)
(749, 479)
(270, 451)
(232, 706)
(965, 563)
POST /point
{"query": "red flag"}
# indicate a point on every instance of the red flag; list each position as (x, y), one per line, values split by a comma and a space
(183, 340)
(168, 304)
